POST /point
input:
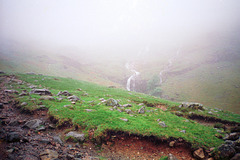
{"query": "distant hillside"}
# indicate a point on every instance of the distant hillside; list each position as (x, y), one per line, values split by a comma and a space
(205, 71)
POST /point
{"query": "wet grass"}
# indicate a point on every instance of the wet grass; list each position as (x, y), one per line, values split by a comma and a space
(101, 119)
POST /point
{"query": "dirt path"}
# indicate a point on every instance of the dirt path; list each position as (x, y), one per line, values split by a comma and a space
(28, 144)
(20, 143)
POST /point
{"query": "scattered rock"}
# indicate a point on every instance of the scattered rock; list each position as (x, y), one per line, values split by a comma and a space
(73, 98)
(32, 86)
(23, 103)
(128, 111)
(195, 106)
(13, 137)
(127, 105)
(1, 106)
(112, 102)
(57, 139)
(124, 119)
(49, 98)
(11, 91)
(41, 128)
(33, 124)
(231, 143)
(59, 99)
(2, 72)
(48, 154)
(236, 157)
(226, 151)
(172, 143)
(70, 157)
(183, 131)
(40, 92)
(119, 110)
(232, 136)
(78, 136)
(235, 129)
(162, 124)
(65, 93)
(171, 157)
(24, 93)
(141, 110)
(69, 107)
(85, 94)
(88, 110)
(199, 153)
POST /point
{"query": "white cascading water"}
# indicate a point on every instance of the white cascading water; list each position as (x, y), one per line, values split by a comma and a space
(133, 77)
(166, 68)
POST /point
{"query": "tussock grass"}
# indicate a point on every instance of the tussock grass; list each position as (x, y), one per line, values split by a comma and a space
(102, 119)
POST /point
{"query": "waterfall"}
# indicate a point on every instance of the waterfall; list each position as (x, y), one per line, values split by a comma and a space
(133, 77)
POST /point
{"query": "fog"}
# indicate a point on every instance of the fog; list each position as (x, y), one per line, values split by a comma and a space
(121, 27)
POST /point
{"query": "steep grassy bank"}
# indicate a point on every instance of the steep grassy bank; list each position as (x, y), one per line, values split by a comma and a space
(91, 114)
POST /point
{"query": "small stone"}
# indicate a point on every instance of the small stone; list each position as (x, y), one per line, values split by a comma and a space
(124, 119)
(33, 124)
(69, 107)
(232, 136)
(65, 93)
(78, 136)
(13, 137)
(236, 157)
(88, 110)
(183, 131)
(40, 92)
(48, 154)
(162, 124)
(226, 151)
(119, 110)
(51, 126)
(10, 150)
(70, 157)
(57, 139)
(127, 105)
(73, 98)
(59, 99)
(23, 103)
(141, 110)
(172, 143)
(1, 106)
(41, 128)
(171, 157)
(112, 102)
(47, 98)
(199, 154)
(128, 111)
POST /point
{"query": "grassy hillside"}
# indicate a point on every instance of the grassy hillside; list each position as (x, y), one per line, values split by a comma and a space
(206, 71)
(102, 118)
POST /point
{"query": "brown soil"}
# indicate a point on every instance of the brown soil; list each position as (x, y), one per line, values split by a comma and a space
(123, 146)
(162, 107)
(116, 146)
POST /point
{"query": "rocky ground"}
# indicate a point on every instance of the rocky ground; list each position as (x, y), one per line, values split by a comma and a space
(26, 135)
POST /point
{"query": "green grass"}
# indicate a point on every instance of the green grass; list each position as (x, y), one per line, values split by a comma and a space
(102, 119)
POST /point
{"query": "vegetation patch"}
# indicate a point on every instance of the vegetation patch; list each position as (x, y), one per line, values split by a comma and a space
(90, 113)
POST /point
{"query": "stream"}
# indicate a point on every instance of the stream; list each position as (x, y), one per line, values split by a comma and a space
(166, 67)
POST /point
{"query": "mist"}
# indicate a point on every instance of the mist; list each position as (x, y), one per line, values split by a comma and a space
(115, 27)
